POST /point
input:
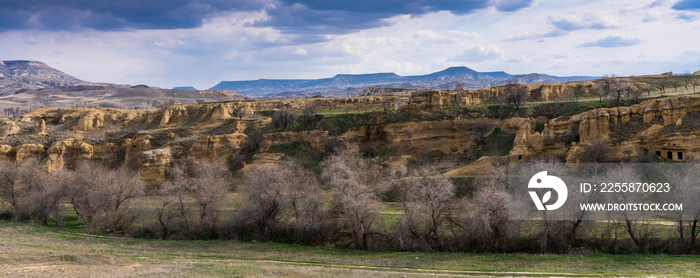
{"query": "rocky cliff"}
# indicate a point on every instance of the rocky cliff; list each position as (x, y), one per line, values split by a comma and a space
(152, 140)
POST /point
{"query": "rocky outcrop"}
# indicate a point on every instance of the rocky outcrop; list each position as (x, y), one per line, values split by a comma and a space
(40, 129)
(9, 129)
(255, 124)
(217, 146)
(28, 150)
(313, 137)
(154, 165)
(90, 121)
(66, 150)
(644, 135)
(424, 100)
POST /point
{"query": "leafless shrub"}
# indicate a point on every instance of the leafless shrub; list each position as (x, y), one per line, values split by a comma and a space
(251, 143)
(640, 232)
(605, 85)
(556, 236)
(355, 200)
(202, 184)
(634, 92)
(165, 210)
(235, 162)
(480, 128)
(333, 146)
(596, 151)
(460, 86)
(273, 189)
(102, 197)
(32, 192)
(284, 118)
(426, 199)
(311, 109)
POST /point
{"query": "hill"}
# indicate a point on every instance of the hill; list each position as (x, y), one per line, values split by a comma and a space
(30, 84)
(31, 75)
(353, 84)
(185, 88)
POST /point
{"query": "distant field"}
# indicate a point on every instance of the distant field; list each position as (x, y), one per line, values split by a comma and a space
(28, 250)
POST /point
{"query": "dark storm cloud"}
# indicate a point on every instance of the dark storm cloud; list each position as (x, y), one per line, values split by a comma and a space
(290, 16)
(110, 15)
(686, 5)
(342, 16)
(392, 7)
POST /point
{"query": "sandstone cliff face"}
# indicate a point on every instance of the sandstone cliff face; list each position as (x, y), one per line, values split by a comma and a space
(155, 164)
(638, 131)
(153, 140)
(314, 137)
(217, 146)
(67, 150)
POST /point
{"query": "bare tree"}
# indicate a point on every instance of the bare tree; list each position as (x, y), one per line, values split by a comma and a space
(619, 89)
(639, 231)
(686, 78)
(460, 86)
(489, 217)
(634, 92)
(426, 199)
(31, 191)
(514, 93)
(10, 185)
(606, 84)
(663, 82)
(210, 191)
(264, 187)
(102, 197)
(286, 189)
(597, 150)
(353, 186)
(165, 210)
(202, 185)
(480, 128)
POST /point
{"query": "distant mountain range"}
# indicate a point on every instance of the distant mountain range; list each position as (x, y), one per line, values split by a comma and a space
(35, 84)
(352, 84)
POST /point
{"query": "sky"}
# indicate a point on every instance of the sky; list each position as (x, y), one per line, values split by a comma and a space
(168, 43)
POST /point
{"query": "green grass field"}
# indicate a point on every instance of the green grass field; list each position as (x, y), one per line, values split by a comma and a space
(29, 250)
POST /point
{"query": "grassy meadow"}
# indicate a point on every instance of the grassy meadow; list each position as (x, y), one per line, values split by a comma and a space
(29, 250)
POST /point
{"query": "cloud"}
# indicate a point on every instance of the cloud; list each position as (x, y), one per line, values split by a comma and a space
(480, 53)
(290, 16)
(686, 5)
(550, 34)
(512, 5)
(115, 15)
(612, 41)
(656, 3)
(687, 16)
(587, 22)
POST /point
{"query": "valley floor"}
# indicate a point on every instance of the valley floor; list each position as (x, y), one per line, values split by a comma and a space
(35, 251)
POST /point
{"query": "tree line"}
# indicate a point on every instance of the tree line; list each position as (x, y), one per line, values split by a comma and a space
(350, 202)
